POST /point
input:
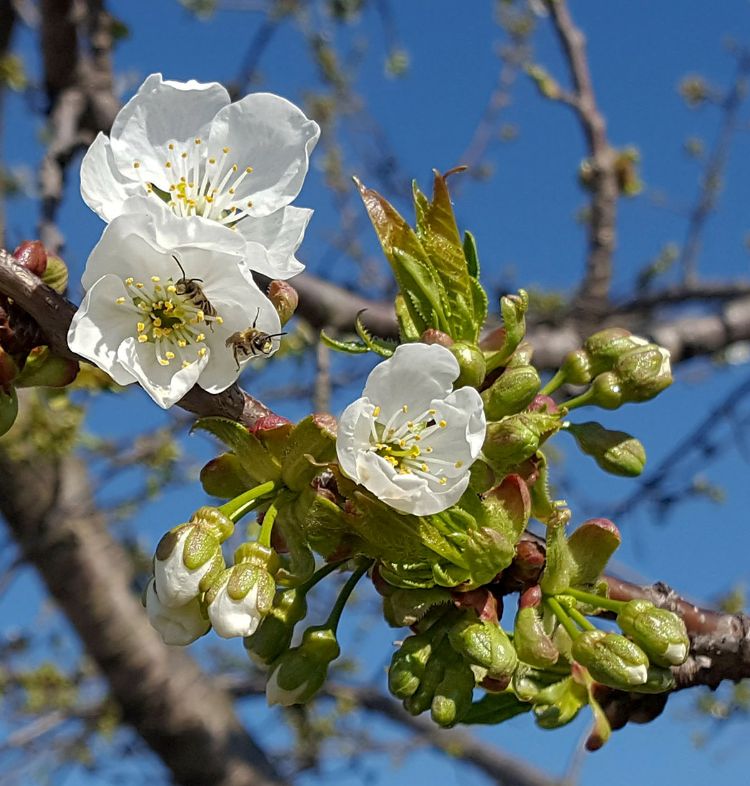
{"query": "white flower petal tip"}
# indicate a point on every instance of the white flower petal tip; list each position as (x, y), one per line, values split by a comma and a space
(234, 167)
(239, 617)
(411, 439)
(177, 626)
(175, 583)
(275, 694)
(165, 315)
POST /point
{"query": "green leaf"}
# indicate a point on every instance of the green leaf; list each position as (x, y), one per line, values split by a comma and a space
(471, 254)
(494, 708)
(379, 346)
(254, 459)
(351, 347)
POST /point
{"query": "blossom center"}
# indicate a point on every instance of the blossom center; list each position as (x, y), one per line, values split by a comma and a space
(201, 185)
(168, 318)
(404, 443)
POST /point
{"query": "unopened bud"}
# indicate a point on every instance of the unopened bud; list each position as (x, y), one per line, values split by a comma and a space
(517, 437)
(274, 634)
(189, 557)
(240, 597)
(43, 369)
(659, 632)
(484, 644)
(611, 659)
(284, 298)
(530, 640)
(511, 392)
(471, 364)
(614, 451)
(177, 626)
(300, 673)
(452, 698)
(644, 372)
(434, 336)
(56, 274)
(605, 391)
(32, 255)
(408, 666)
(606, 346)
(576, 368)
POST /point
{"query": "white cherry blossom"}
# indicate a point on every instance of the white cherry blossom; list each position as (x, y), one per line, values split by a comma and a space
(175, 583)
(411, 439)
(193, 153)
(137, 323)
(178, 626)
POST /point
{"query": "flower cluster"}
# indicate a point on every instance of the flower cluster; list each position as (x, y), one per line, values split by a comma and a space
(196, 191)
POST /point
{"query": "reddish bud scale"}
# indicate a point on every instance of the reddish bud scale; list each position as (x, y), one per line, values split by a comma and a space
(267, 423)
(482, 601)
(531, 598)
(542, 403)
(32, 255)
(433, 336)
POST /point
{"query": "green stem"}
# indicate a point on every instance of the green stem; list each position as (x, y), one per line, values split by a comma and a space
(264, 539)
(236, 508)
(333, 618)
(557, 380)
(319, 575)
(595, 600)
(579, 401)
(557, 609)
(580, 619)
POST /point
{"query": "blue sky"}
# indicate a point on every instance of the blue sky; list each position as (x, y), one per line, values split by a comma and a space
(524, 222)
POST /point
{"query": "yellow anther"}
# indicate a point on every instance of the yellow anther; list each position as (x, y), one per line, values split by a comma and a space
(163, 362)
(219, 321)
(136, 164)
(376, 412)
(183, 155)
(157, 322)
(200, 337)
(202, 351)
(199, 316)
(225, 150)
(405, 408)
(197, 140)
(155, 279)
(168, 165)
(185, 363)
(443, 481)
(432, 412)
(182, 343)
(142, 339)
(249, 170)
(170, 146)
(234, 167)
(443, 423)
(119, 300)
(402, 443)
(129, 281)
(232, 190)
(139, 285)
(169, 355)
(424, 467)
(211, 160)
(171, 289)
(141, 327)
(458, 464)
(249, 204)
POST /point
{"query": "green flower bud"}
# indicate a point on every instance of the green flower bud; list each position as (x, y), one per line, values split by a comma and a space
(274, 634)
(576, 368)
(284, 298)
(556, 705)
(452, 699)
(661, 633)
(511, 392)
(516, 438)
(606, 346)
(643, 372)
(532, 643)
(8, 409)
(224, 477)
(43, 369)
(408, 665)
(471, 363)
(301, 671)
(614, 451)
(605, 391)
(486, 644)
(611, 659)
(432, 676)
(56, 274)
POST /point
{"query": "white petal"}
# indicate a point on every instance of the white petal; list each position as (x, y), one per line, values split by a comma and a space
(175, 582)
(281, 234)
(413, 376)
(169, 230)
(230, 617)
(177, 626)
(103, 187)
(165, 384)
(274, 137)
(353, 435)
(100, 326)
(159, 113)
(675, 653)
